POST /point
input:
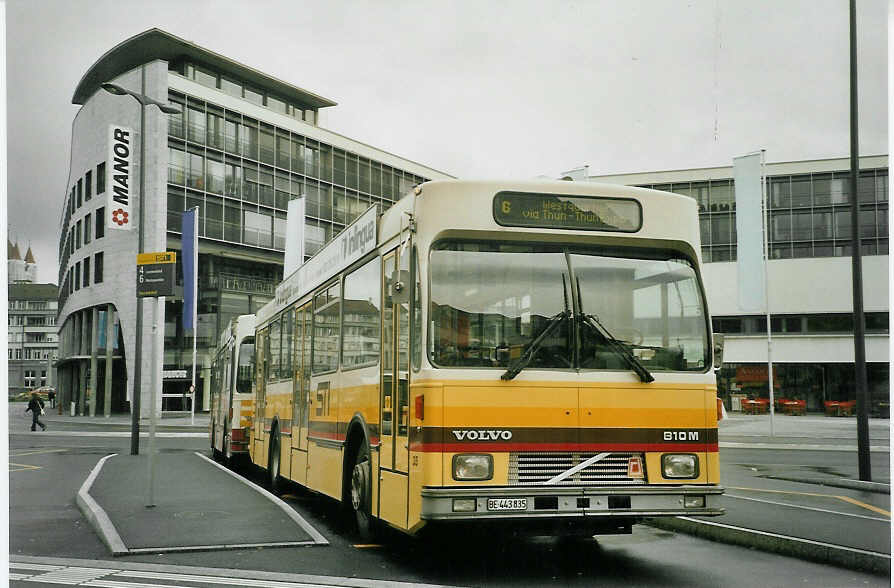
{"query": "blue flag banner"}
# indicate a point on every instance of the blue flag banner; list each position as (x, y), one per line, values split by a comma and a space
(190, 245)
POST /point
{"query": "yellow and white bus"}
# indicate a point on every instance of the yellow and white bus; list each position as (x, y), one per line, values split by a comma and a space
(534, 354)
(232, 378)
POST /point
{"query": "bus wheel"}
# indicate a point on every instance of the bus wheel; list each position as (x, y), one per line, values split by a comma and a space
(273, 464)
(361, 494)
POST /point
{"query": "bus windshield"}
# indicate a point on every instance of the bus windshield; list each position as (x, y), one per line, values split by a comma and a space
(490, 302)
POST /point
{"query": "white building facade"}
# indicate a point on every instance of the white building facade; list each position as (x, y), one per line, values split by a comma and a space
(809, 272)
(241, 146)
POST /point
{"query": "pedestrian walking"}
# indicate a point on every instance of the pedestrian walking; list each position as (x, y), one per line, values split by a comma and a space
(52, 397)
(35, 405)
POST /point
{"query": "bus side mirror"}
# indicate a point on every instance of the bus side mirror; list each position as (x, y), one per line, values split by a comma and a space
(718, 350)
(400, 287)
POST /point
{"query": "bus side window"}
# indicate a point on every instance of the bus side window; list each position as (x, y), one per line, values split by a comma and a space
(273, 347)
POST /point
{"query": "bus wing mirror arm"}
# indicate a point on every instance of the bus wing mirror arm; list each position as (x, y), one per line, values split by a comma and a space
(718, 350)
(400, 286)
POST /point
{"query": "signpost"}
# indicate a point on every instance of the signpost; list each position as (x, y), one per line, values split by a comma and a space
(155, 279)
(155, 274)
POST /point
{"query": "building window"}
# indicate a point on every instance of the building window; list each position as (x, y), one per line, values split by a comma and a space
(97, 268)
(86, 271)
(203, 76)
(175, 119)
(100, 222)
(88, 186)
(77, 280)
(176, 166)
(195, 125)
(277, 105)
(78, 235)
(230, 87)
(80, 193)
(88, 228)
(258, 229)
(101, 178)
(254, 96)
(215, 126)
(196, 173)
(214, 175)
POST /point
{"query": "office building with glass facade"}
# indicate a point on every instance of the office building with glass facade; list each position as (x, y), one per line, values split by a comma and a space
(810, 292)
(241, 146)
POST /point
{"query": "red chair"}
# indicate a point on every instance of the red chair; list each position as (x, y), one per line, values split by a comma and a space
(795, 407)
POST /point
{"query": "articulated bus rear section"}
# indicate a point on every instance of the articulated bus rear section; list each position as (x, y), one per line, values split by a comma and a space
(530, 355)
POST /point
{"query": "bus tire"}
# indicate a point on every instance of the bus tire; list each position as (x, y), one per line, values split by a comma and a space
(273, 482)
(360, 493)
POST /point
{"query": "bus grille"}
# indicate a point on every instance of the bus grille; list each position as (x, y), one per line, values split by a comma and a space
(536, 468)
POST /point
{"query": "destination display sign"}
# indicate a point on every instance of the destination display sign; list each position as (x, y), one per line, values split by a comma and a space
(155, 274)
(556, 211)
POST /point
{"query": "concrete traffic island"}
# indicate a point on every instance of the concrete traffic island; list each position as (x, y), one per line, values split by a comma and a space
(199, 506)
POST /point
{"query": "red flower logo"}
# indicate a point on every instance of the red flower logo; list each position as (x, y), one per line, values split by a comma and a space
(119, 216)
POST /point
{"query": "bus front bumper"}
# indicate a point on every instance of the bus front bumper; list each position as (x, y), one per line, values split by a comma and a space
(493, 503)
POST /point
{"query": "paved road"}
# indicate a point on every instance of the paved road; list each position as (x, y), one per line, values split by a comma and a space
(765, 491)
(44, 522)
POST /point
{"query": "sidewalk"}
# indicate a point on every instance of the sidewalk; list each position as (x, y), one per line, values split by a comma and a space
(117, 421)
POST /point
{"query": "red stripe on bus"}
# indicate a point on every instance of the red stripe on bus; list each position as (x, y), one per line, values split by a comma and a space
(504, 447)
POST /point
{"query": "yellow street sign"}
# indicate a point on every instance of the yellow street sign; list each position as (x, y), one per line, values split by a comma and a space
(161, 257)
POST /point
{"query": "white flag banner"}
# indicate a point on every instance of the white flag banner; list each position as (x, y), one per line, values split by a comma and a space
(749, 231)
(294, 255)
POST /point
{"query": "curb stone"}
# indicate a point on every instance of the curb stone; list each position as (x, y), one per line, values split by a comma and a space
(846, 557)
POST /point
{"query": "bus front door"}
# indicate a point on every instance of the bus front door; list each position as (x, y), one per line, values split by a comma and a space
(394, 418)
(301, 392)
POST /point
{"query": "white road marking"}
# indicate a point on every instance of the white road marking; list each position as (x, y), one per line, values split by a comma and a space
(70, 575)
(844, 514)
(33, 566)
(217, 580)
(114, 573)
(114, 584)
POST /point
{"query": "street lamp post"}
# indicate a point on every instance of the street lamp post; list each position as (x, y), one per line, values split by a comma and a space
(144, 101)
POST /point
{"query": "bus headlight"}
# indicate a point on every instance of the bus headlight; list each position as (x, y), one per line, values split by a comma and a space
(473, 467)
(679, 465)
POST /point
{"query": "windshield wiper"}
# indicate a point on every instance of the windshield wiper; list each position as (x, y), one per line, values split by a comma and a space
(613, 344)
(522, 362)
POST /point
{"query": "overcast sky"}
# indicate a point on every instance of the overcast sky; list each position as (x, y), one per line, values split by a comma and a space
(481, 88)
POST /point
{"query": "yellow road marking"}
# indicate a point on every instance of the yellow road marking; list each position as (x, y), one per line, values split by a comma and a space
(816, 494)
(21, 466)
(864, 505)
(367, 545)
(39, 451)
